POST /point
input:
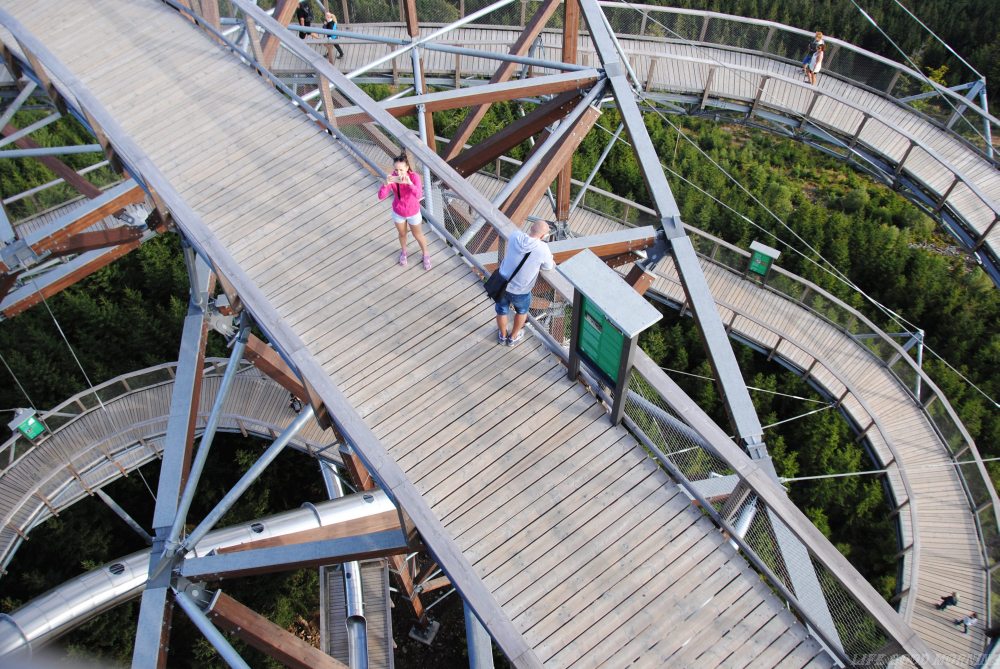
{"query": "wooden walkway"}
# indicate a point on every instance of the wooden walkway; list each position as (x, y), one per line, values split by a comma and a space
(102, 444)
(586, 548)
(737, 76)
(950, 557)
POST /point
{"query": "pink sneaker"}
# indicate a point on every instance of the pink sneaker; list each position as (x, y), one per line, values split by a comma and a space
(427, 262)
(402, 258)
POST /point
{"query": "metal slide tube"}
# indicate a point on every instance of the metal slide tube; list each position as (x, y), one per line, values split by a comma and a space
(210, 631)
(247, 479)
(76, 601)
(205, 445)
(427, 38)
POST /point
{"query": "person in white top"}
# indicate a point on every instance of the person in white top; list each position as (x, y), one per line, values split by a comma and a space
(518, 293)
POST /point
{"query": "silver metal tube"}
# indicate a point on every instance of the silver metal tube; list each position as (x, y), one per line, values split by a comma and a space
(51, 151)
(987, 129)
(210, 631)
(478, 642)
(597, 167)
(27, 130)
(121, 513)
(427, 38)
(418, 85)
(247, 479)
(21, 98)
(920, 360)
(205, 445)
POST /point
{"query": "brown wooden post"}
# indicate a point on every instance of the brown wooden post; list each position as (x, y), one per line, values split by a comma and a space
(283, 13)
(639, 279)
(346, 15)
(270, 639)
(503, 73)
(570, 45)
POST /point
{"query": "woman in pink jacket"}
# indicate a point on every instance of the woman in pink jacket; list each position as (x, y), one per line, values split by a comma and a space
(406, 190)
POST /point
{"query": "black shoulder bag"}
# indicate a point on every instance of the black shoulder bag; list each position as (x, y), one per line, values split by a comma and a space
(497, 283)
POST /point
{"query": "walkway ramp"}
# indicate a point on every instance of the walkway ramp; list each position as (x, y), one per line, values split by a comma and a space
(938, 168)
(941, 548)
(588, 552)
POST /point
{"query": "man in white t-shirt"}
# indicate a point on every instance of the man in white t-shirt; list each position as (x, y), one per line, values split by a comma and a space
(518, 293)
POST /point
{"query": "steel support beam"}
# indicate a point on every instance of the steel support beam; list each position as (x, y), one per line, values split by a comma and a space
(270, 639)
(60, 168)
(477, 641)
(527, 126)
(295, 556)
(48, 151)
(123, 514)
(17, 102)
(155, 612)
(210, 631)
(503, 73)
(453, 99)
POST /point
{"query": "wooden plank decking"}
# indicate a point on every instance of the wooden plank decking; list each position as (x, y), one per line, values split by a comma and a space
(683, 69)
(586, 548)
(950, 557)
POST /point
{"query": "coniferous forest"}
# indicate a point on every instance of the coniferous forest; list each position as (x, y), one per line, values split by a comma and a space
(127, 316)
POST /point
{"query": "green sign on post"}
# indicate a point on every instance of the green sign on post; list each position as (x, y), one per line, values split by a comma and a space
(761, 257)
(600, 341)
(26, 423)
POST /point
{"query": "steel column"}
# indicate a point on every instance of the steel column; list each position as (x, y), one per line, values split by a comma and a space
(210, 631)
(478, 641)
(248, 478)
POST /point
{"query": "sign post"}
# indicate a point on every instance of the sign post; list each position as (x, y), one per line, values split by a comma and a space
(26, 423)
(761, 258)
(608, 316)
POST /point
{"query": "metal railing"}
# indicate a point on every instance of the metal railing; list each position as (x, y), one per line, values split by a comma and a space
(965, 117)
(868, 617)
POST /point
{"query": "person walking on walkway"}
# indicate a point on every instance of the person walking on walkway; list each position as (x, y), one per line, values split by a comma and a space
(304, 16)
(967, 622)
(518, 292)
(948, 600)
(407, 191)
(331, 24)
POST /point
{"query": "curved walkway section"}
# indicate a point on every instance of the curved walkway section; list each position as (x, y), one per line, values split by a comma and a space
(937, 169)
(569, 542)
(105, 440)
(941, 546)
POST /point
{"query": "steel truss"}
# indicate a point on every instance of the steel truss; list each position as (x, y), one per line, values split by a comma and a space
(175, 567)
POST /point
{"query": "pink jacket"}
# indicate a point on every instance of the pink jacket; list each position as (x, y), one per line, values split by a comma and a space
(406, 197)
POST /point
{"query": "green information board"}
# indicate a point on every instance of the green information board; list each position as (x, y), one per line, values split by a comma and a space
(760, 263)
(31, 427)
(600, 341)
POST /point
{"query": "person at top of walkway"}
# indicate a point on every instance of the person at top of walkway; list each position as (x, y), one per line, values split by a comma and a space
(947, 600)
(815, 64)
(967, 622)
(518, 292)
(331, 24)
(304, 15)
(406, 189)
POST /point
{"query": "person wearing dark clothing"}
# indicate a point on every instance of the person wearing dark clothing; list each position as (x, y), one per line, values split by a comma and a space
(304, 16)
(948, 600)
(331, 24)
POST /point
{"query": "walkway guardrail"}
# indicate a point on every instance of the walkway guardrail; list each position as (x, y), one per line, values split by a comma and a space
(91, 399)
(965, 115)
(867, 617)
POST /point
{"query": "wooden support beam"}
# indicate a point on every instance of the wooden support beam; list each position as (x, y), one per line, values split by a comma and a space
(606, 245)
(435, 584)
(97, 239)
(87, 219)
(283, 13)
(61, 169)
(503, 73)
(257, 631)
(267, 360)
(510, 90)
(356, 469)
(500, 143)
(523, 200)
(570, 47)
(22, 303)
(639, 279)
(388, 520)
